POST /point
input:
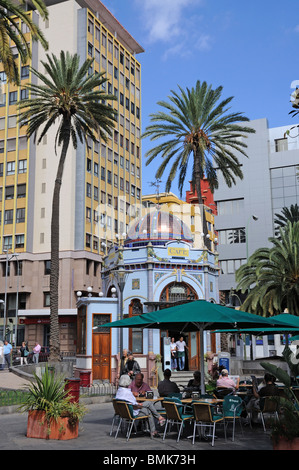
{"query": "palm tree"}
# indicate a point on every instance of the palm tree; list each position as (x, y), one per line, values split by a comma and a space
(197, 127)
(272, 275)
(75, 101)
(287, 214)
(11, 31)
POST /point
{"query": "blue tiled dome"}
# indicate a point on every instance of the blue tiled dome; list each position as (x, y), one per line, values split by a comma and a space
(160, 227)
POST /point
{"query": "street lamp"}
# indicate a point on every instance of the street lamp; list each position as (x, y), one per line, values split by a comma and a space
(120, 275)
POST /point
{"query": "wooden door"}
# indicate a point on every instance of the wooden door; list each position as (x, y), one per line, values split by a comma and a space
(101, 349)
(193, 350)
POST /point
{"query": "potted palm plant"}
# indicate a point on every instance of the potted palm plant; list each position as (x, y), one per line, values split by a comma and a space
(51, 412)
(285, 430)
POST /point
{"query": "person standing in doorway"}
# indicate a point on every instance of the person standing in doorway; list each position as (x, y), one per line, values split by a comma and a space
(173, 353)
(36, 351)
(181, 346)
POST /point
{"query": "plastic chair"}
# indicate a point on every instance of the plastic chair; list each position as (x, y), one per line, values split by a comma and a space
(204, 417)
(232, 409)
(175, 415)
(126, 414)
(268, 405)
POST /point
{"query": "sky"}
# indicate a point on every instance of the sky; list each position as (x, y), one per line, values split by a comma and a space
(249, 48)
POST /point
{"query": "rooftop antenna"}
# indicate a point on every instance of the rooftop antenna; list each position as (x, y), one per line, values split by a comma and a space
(157, 186)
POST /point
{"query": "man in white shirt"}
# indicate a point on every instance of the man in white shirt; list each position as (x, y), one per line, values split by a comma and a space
(181, 345)
(146, 408)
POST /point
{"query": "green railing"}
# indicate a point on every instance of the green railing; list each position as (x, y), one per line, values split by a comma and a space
(12, 397)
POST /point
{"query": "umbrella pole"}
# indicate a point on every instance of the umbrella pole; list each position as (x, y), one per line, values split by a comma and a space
(202, 362)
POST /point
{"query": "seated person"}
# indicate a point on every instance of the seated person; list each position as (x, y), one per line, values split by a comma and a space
(269, 389)
(194, 384)
(145, 409)
(132, 367)
(138, 387)
(225, 382)
(165, 387)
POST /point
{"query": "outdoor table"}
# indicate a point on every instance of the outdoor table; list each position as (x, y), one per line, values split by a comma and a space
(155, 399)
(213, 401)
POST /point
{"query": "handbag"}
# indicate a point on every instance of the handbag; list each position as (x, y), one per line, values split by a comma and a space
(26, 353)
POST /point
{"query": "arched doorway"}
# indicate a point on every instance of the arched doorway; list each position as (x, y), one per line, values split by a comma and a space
(177, 293)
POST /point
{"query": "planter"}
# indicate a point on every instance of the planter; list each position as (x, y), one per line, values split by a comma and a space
(286, 444)
(38, 428)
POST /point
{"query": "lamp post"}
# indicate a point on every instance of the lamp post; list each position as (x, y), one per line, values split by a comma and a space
(255, 218)
(14, 255)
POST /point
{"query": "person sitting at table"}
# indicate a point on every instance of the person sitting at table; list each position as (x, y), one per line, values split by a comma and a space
(269, 389)
(165, 387)
(194, 384)
(145, 409)
(225, 382)
(138, 387)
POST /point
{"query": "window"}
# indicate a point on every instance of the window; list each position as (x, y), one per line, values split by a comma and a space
(25, 71)
(24, 94)
(88, 240)
(21, 190)
(47, 267)
(121, 99)
(96, 193)
(232, 236)
(281, 145)
(7, 243)
(46, 299)
(88, 189)
(10, 169)
(96, 169)
(20, 216)
(1, 146)
(11, 145)
(13, 97)
(20, 241)
(88, 214)
(109, 176)
(9, 192)
(8, 217)
(234, 206)
(90, 49)
(1, 169)
(127, 104)
(103, 178)
(88, 165)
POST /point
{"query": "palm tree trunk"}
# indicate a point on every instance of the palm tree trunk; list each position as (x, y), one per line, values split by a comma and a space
(197, 180)
(54, 275)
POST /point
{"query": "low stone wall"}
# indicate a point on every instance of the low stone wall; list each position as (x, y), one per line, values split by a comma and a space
(27, 371)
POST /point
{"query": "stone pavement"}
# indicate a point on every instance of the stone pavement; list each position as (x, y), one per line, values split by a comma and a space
(94, 435)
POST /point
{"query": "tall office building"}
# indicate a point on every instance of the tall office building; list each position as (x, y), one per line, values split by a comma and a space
(246, 212)
(101, 183)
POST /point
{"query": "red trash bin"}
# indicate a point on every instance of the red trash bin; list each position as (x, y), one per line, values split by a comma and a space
(72, 387)
(85, 378)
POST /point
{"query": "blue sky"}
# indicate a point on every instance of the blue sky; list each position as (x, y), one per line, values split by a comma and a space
(250, 48)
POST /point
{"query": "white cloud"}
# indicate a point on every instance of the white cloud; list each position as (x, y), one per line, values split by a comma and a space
(164, 19)
(296, 29)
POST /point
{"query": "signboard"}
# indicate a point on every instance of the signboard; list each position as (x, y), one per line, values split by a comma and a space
(178, 252)
(223, 359)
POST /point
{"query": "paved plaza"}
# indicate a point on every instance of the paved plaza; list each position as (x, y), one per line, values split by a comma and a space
(94, 435)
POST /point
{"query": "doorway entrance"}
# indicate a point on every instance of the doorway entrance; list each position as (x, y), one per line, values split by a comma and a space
(101, 348)
(177, 293)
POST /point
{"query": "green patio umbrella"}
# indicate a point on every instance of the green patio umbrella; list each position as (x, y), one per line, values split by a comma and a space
(198, 315)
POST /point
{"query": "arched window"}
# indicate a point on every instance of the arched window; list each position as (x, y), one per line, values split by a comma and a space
(179, 292)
